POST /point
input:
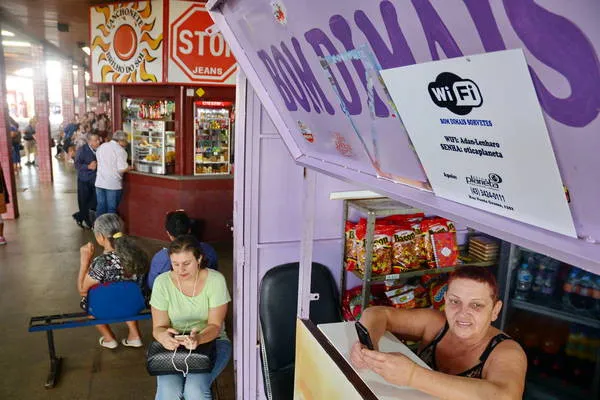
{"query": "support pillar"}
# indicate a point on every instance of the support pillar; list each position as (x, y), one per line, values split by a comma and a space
(81, 108)
(5, 145)
(68, 97)
(42, 110)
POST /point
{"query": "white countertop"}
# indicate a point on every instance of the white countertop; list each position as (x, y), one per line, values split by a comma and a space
(342, 336)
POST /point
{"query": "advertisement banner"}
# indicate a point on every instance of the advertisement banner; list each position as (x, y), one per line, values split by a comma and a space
(127, 42)
(198, 54)
(479, 131)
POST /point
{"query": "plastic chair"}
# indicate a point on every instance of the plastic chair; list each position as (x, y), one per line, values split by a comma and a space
(116, 300)
(277, 312)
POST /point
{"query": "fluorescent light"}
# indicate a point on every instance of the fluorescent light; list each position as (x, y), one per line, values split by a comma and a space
(7, 33)
(15, 43)
(86, 50)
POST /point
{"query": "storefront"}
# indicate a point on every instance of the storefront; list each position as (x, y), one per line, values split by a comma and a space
(317, 75)
(172, 83)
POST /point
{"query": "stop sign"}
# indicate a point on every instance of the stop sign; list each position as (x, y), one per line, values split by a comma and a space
(201, 54)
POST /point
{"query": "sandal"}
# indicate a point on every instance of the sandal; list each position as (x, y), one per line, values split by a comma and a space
(132, 343)
(109, 345)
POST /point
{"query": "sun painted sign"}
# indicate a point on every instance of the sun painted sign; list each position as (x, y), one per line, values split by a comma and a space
(127, 42)
(198, 52)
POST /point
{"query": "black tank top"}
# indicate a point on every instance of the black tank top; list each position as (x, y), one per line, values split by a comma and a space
(428, 353)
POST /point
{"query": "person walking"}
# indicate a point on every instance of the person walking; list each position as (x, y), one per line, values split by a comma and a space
(4, 200)
(86, 165)
(29, 138)
(15, 139)
(112, 164)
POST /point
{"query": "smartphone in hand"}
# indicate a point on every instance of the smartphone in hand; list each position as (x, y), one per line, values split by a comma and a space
(180, 338)
(363, 336)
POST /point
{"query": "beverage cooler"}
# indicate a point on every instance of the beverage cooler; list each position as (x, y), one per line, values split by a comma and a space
(151, 129)
(212, 137)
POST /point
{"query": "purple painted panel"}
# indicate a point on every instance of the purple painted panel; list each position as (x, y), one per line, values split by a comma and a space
(280, 46)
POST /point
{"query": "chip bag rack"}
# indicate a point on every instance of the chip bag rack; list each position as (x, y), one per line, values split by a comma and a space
(396, 241)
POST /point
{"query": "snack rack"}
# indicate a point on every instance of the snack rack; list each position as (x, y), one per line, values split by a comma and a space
(373, 209)
(152, 146)
(212, 138)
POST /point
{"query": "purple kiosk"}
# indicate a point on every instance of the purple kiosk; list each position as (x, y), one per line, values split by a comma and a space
(344, 96)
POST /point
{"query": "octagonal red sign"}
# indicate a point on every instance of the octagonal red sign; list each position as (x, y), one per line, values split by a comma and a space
(200, 53)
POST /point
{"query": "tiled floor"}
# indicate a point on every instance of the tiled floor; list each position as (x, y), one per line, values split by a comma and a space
(38, 270)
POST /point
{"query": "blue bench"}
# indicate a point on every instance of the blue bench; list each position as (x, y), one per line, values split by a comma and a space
(50, 323)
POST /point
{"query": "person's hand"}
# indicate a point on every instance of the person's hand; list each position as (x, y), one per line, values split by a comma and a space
(167, 340)
(192, 340)
(395, 368)
(87, 251)
(93, 165)
(356, 356)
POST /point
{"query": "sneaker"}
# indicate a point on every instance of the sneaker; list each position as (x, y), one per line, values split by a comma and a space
(109, 345)
(2, 241)
(132, 343)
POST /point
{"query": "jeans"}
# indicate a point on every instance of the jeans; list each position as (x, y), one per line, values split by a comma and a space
(108, 201)
(194, 386)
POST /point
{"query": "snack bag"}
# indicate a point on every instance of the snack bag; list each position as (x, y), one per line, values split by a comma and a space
(436, 293)
(420, 249)
(445, 250)
(431, 226)
(403, 249)
(400, 219)
(360, 231)
(382, 250)
(422, 297)
(405, 300)
(351, 246)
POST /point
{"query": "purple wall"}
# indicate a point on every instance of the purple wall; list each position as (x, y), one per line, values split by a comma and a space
(268, 209)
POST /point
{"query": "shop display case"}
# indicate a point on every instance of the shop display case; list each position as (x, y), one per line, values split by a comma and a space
(151, 131)
(212, 138)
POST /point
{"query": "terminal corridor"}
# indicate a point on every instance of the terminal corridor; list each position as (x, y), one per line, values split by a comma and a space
(38, 272)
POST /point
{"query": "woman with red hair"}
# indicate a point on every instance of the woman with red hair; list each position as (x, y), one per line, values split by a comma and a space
(469, 358)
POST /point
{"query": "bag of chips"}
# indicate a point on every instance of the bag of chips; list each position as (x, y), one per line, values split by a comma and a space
(431, 226)
(437, 291)
(352, 245)
(405, 300)
(403, 249)
(382, 250)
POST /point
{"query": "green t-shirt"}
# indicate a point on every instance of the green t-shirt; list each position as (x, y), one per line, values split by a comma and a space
(186, 312)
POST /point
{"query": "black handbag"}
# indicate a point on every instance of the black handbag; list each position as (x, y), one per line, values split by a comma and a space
(159, 361)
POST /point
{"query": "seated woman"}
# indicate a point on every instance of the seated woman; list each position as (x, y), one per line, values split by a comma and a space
(191, 299)
(178, 223)
(470, 359)
(121, 260)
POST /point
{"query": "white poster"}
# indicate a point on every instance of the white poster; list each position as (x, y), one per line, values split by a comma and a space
(127, 42)
(478, 129)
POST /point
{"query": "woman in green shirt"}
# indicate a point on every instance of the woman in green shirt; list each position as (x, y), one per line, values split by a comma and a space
(191, 300)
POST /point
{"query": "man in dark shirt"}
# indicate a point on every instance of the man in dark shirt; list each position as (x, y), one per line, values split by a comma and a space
(85, 163)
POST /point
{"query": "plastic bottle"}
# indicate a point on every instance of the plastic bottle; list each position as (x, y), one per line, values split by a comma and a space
(569, 288)
(549, 284)
(586, 292)
(538, 280)
(524, 280)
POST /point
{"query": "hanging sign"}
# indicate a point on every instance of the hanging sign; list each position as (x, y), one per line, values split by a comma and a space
(478, 129)
(127, 42)
(198, 53)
